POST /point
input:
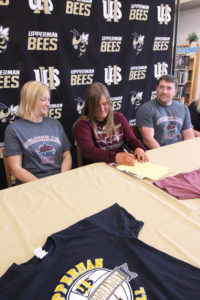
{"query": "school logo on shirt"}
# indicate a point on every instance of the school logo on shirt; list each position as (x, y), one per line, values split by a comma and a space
(46, 152)
(90, 280)
(78, 7)
(9, 79)
(8, 114)
(48, 76)
(112, 10)
(81, 76)
(112, 75)
(139, 12)
(41, 5)
(110, 44)
(42, 41)
(160, 69)
(45, 148)
(4, 38)
(138, 42)
(80, 41)
(164, 14)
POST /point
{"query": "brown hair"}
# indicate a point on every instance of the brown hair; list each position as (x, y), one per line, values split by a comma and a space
(93, 95)
(168, 78)
(30, 93)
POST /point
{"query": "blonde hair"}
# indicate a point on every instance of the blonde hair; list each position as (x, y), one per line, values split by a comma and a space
(93, 95)
(30, 93)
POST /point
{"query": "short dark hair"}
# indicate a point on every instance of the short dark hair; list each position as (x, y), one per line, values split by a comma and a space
(168, 78)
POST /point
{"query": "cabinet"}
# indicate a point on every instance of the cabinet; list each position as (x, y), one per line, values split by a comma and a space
(187, 69)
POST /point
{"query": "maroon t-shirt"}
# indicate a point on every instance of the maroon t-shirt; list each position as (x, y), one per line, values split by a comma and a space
(182, 186)
(101, 148)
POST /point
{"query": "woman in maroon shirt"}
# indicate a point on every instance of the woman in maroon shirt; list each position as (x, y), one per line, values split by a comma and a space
(102, 133)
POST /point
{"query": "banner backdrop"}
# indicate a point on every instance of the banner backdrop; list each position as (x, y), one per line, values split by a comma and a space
(68, 44)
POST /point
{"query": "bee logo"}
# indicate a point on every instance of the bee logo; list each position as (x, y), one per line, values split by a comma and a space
(136, 98)
(80, 41)
(138, 42)
(8, 113)
(4, 38)
(80, 105)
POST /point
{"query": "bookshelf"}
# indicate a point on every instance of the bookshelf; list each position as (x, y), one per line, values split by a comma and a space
(189, 87)
(187, 67)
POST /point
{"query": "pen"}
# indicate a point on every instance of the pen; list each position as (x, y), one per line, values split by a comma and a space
(130, 152)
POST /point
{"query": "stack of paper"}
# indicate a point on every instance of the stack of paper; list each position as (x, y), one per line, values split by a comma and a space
(145, 170)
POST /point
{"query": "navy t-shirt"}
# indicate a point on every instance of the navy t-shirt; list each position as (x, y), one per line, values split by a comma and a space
(100, 257)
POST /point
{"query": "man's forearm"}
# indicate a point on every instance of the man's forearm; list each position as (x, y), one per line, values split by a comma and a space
(151, 143)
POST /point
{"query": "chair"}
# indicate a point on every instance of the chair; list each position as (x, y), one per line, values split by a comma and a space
(79, 155)
(136, 132)
(7, 171)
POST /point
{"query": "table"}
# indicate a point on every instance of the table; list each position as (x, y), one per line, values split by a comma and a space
(29, 213)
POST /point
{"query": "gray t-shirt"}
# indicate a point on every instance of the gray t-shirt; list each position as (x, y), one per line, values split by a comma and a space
(167, 121)
(40, 144)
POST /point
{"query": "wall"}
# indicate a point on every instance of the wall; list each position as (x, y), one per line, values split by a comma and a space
(189, 21)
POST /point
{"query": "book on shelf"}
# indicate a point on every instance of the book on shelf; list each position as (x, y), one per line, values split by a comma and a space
(181, 91)
(186, 61)
(182, 76)
(182, 61)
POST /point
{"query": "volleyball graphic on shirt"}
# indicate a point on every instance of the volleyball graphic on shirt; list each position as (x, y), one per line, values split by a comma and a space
(103, 284)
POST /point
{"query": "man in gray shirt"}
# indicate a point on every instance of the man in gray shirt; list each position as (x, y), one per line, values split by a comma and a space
(162, 120)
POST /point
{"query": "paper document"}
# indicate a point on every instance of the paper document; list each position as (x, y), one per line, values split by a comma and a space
(145, 170)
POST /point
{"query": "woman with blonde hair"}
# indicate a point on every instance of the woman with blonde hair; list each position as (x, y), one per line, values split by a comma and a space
(194, 109)
(102, 134)
(36, 145)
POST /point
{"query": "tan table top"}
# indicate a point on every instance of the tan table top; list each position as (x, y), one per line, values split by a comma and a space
(29, 213)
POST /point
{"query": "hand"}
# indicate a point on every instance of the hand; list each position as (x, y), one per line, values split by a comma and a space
(124, 158)
(141, 155)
